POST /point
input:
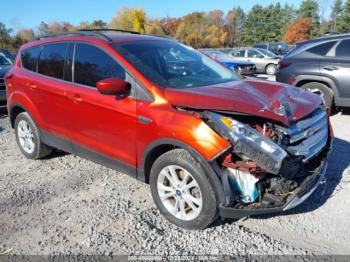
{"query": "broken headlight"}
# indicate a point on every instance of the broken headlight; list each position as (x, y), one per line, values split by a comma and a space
(249, 142)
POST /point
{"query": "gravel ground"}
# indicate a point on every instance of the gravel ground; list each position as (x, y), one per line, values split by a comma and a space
(67, 205)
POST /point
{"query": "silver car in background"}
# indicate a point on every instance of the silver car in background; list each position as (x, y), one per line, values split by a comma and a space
(266, 62)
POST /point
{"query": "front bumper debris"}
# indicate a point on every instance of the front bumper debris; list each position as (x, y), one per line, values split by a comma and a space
(300, 195)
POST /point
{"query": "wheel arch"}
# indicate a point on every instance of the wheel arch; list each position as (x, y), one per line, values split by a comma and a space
(302, 80)
(161, 146)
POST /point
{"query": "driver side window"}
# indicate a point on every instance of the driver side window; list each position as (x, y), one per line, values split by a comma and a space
(254, 54)
(92, 64)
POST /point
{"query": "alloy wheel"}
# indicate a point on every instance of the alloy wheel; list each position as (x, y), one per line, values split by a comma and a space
(179, 192)
(26, 137)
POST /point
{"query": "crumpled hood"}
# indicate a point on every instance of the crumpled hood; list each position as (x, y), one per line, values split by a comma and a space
(4, 69)
(270, 100)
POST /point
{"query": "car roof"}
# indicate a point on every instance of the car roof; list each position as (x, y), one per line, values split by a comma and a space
(95, 36)
(324, 39)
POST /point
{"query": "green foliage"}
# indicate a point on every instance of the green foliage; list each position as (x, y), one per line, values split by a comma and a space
(5, 37)
(343, 24)
(266, 24)
(337, 9)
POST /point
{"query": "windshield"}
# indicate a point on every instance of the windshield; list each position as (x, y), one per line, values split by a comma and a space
(171, 64)
(267, 52)
(4, 60)
(278, 47)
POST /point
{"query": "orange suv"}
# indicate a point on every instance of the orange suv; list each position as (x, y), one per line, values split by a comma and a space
(208, 142)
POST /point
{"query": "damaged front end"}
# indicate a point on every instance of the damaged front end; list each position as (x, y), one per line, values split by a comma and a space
(270, 167)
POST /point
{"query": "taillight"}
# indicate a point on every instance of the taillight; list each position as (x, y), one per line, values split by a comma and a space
(283, 64)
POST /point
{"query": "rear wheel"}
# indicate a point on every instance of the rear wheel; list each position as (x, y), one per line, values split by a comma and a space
(271, 69)
(28, 137)
(182, 191)
(322, 90)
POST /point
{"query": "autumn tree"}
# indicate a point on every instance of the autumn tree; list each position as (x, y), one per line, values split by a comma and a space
(310, 9)
(154, 27)
(26, 34)
(170, 25)
(298, 31)
(133, 19)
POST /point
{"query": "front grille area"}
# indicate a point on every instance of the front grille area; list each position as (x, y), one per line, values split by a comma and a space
(2, 84)
(309, 136)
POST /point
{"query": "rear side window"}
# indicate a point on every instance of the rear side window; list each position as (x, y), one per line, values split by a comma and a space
(29, 58)
(238, 53)
(322, 49)
(91, 65)
(51, 61)
(343, 49)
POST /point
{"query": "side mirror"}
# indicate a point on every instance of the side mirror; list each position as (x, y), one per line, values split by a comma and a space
(112, 86)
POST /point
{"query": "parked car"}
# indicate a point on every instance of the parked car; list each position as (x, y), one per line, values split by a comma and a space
(240, 67)
(265, 61)
(278, 48)
(8, 54)
(207, 142)
(322, 66)
(5, 65)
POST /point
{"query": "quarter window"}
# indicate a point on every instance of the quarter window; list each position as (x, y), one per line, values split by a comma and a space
(343, 49)
(29, 58)
(91, 65)
(51, 62)
(322, 49)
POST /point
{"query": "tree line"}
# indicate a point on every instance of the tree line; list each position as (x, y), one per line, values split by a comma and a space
(215, 28)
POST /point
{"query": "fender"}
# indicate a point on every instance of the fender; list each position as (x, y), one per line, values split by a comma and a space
(207, 166)
(20, 99)
(318, 78)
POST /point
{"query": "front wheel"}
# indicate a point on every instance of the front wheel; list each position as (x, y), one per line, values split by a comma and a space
(182, 191)
(271, 69)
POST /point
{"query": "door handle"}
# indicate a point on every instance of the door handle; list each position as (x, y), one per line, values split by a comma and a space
(77, 99)
(32, 86)
(330, 68)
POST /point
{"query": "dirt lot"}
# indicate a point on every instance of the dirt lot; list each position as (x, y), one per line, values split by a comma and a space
(67, 205)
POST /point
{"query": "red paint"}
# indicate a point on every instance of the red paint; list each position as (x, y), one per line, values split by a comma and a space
(110, 126)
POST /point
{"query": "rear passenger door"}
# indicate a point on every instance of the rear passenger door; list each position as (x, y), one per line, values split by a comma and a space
(101, 125)
(47, 85)
(336, 65)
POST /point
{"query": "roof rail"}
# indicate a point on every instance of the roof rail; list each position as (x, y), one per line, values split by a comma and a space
(78, 33)
(97, 33)
(109, 29)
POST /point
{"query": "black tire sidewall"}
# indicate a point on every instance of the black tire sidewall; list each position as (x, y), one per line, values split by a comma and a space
(36, 135)
(209, 208)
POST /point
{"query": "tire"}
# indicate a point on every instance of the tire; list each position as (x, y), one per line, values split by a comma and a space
(198, 213)
(28, 138)
(271, 69)
(322, 90)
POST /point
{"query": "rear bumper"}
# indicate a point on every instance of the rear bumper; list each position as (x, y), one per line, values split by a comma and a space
(300, 195)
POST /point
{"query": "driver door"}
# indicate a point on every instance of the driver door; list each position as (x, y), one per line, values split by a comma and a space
(102, 126)
(257, 58)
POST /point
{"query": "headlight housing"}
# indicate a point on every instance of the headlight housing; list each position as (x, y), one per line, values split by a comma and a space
(247, 141)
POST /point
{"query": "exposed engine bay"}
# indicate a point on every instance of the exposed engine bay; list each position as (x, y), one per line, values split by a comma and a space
(268, 162)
